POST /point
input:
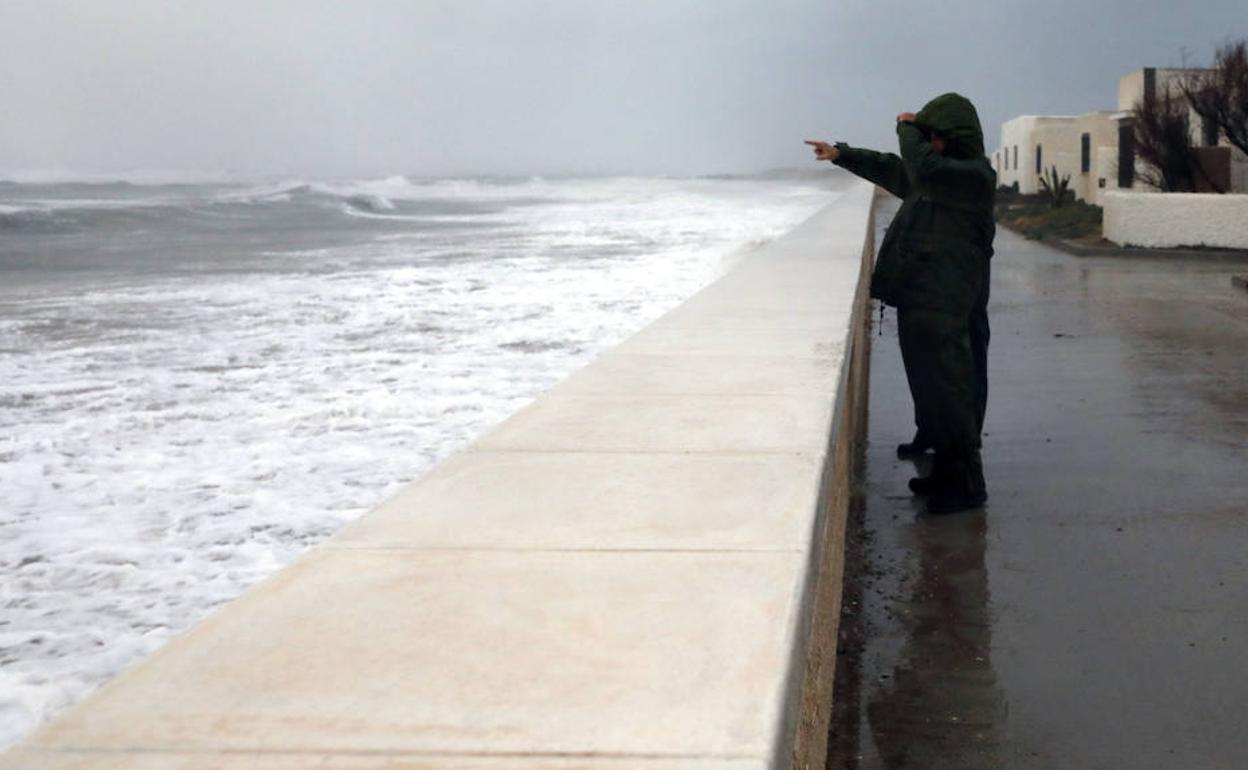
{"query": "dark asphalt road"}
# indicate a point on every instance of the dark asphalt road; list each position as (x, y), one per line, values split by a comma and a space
(1095, 615)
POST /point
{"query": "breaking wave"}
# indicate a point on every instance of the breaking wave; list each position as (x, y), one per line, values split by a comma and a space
(46, 207)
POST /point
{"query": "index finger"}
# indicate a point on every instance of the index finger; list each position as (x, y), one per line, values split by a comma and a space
(813, 142)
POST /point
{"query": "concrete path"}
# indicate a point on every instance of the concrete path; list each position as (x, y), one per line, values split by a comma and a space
(1096, 615)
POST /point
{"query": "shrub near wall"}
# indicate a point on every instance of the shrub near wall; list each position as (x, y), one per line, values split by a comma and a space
(1168, 220)
(1036, 219)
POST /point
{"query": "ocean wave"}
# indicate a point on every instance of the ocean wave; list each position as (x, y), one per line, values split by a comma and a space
(82, 205)
(42, 207)
(266, 193)
(439, 203)
(373, 203)
(353, 209)
(59, 205)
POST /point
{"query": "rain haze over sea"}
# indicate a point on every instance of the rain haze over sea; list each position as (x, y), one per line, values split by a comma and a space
(200, 381)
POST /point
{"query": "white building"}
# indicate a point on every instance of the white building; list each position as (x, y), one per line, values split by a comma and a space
(1097, 150)
(1083, 147)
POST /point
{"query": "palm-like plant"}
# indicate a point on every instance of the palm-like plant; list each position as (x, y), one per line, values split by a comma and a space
(1055, 187)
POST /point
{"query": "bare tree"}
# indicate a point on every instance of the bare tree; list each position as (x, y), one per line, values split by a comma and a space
(1163, 141)
(1220, 95)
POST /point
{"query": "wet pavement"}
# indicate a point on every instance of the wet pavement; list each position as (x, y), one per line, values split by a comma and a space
(1095, 614)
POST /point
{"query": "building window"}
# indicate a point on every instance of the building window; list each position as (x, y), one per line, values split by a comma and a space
(1210, 130)
(998, 163)
(1039, 160)
(1085, 153)
(1126, 154)
(1014, 165)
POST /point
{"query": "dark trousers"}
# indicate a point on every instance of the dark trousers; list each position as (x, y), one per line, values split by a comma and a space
(941, 367)
(978, 334)
(946, 362)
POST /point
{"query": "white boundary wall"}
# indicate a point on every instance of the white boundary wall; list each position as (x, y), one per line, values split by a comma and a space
(641, 569)
(1167, 220)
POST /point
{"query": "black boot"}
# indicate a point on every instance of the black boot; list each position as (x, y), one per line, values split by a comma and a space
(935, 483)
(937, 478)
(925, 485)
(962, 489)
(915, 447)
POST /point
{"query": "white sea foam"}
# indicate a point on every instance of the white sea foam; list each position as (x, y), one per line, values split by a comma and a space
(275, 191)
(69, 204)
(168, 440)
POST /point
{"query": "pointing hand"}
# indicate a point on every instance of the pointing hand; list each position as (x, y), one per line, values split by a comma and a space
(823, 150)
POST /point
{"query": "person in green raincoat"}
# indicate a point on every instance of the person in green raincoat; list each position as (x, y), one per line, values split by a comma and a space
(933, 266)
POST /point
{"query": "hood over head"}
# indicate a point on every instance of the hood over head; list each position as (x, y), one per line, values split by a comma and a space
(954, 118)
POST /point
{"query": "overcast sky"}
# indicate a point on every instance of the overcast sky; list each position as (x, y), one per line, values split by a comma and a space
(433, 87)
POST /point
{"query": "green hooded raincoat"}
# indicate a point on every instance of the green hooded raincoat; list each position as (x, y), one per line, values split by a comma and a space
(933, 267)
(933, 253)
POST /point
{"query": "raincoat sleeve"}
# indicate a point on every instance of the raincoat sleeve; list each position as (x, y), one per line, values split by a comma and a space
(882, 168)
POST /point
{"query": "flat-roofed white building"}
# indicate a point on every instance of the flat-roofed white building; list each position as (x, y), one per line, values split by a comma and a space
(1097, 149)
(1022, 154)
(1083, 147)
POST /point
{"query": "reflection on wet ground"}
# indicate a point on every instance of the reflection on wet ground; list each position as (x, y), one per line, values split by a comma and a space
(1095, 615)
(942, 695)
(915, 680)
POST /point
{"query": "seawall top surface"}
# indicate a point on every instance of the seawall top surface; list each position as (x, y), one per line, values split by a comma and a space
(611, 578)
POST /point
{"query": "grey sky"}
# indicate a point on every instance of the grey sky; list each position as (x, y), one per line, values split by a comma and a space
(426, 87)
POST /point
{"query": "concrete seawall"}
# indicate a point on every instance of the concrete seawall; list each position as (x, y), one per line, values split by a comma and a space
(640, 569)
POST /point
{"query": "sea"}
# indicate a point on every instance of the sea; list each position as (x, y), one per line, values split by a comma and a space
(199, 381)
